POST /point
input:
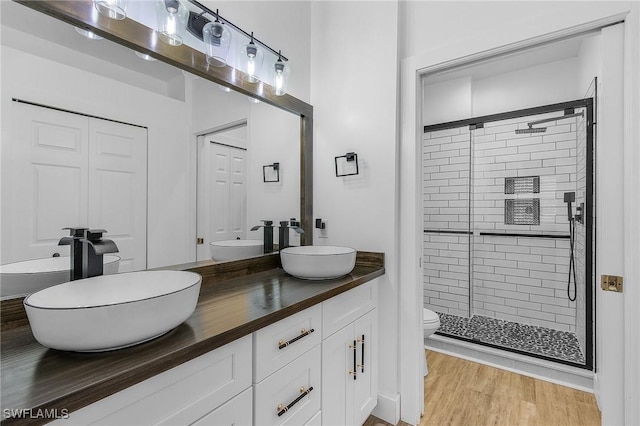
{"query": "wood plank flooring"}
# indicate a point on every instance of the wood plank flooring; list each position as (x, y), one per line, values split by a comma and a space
(461, 392)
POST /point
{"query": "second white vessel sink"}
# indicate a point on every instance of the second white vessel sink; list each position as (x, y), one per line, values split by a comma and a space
(112, 311)
(235, 249)
(29, 276)
(318, 262)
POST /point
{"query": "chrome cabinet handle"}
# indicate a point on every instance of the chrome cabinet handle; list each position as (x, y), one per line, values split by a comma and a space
(304, 332)
(303, 392)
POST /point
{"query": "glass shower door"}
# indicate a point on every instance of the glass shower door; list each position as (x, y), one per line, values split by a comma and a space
(447, 232)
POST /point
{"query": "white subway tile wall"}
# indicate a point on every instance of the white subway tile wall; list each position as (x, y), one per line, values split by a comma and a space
(514, 278)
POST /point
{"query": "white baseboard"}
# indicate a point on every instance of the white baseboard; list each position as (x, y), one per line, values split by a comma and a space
(388, 408)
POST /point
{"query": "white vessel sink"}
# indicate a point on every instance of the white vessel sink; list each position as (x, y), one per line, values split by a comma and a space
(318, 262)
(112, 311)
(29, 276)
(235, 249)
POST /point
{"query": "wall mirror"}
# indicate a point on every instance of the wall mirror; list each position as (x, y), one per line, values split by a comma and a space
(81, 163)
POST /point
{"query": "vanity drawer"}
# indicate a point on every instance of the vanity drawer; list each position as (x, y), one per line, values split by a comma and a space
(290, 387)
(345, 308)
(282, 342)
(237, 412)
(181, 395)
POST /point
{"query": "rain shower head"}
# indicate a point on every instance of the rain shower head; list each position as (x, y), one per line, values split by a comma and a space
(531, 130)
(567, 114)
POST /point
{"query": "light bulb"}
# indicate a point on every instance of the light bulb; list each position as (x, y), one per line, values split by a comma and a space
(251, 58)
(251, 68)
(280, 77)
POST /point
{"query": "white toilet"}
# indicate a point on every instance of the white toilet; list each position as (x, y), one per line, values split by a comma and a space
(430, 323)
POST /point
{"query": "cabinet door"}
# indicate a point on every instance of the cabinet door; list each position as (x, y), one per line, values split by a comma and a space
(366, 385)
(337, 391)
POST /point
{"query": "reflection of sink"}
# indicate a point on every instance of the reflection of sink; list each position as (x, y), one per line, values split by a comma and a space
(318, 262)
(22, 278)
(112, 311)
(235, 249)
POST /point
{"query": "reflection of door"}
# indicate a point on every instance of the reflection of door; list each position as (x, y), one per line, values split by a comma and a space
(62, 169)
(118, 188)
(222, 193)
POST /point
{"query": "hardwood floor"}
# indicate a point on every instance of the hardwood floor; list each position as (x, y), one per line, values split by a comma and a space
(461, 392)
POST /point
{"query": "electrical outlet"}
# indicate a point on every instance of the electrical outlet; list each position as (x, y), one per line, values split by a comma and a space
(611, 283)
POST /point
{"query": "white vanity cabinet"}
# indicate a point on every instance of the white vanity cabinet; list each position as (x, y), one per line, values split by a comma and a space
(214, 388)
(315, 367)
(350, 357)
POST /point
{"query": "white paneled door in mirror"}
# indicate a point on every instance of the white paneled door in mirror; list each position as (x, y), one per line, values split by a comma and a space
(222, 192)
(44, 180)
(61, 169)
(118, 188)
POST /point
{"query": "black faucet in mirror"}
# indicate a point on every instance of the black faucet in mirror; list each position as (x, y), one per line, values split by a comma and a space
(87, 250)
(268, 235)
(76, 251)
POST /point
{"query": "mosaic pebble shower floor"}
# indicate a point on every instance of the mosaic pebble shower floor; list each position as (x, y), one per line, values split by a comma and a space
(532, 339)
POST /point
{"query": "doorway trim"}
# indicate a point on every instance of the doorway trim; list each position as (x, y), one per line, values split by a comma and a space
(412, 70)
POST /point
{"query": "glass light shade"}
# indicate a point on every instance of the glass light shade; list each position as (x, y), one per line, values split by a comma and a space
(114, 9)
(172, 18)
(217, 40)
(250, 60)
(280, 81)
(88, 34)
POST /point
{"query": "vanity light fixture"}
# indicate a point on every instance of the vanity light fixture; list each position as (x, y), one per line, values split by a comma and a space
(88, 34)
(350, 162)
(172, 21)
(251, 57)
(281, 76)
(113, 9)
(274, 176)
(217, 40)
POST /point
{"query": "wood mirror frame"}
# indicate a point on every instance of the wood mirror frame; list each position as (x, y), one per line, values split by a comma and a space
(138, 37)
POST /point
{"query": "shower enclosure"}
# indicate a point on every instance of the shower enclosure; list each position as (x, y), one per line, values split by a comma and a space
(499, 237)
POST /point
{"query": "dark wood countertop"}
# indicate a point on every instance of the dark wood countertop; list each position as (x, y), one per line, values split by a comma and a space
(236, 299)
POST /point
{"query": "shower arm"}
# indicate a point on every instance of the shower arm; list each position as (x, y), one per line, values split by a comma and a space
(546, 120)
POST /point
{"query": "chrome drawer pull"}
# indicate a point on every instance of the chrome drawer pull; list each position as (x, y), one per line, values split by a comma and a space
(303, 392)
(304, 332)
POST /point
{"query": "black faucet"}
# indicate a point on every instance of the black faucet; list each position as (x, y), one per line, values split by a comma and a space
(76, 250)
(96, 248)
(87, 248)
(283, 234)
(268, 235)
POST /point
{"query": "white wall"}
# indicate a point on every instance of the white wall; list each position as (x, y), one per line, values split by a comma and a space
(353, 92)
(533, 86)
(274, 137)
(432, 36)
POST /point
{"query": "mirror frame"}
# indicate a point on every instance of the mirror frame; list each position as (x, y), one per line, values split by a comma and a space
(138, 37)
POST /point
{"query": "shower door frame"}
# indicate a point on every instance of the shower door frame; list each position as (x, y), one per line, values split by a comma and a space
(589, 279)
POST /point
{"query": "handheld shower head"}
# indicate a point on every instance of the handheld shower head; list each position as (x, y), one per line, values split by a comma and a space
(569, 197)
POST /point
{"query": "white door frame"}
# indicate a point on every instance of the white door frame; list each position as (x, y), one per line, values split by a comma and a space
(411, 294)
